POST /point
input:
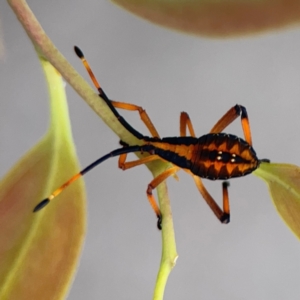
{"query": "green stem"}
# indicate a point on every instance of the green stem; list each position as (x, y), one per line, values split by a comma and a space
(169, 254)
(48, 51)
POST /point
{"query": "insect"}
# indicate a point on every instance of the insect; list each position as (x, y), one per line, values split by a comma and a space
(214, 156)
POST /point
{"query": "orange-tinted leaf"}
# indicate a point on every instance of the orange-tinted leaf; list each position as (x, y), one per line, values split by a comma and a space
(283, 181)
(216, 18)
(39, 251)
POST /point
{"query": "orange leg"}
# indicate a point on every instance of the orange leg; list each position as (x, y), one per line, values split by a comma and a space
(152, 185)
(147, 121)
(185, 122)
(230, 116)
(143, 114)
(222, 215)
(127, 165)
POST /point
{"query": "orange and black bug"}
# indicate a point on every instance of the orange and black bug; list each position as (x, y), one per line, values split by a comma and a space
(215, 156)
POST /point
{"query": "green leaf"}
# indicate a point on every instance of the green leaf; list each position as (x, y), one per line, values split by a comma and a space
(283, 181)
(39, 251)
(216, 18)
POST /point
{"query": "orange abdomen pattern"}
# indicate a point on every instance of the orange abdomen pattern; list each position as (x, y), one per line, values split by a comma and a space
(212, 156)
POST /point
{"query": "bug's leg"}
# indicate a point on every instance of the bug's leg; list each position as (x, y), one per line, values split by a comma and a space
(185, 122)
(147, 121)
(115, 104)
(152, 185)
(222, 215)
(230, 116)
(143, 114)
(127, 165)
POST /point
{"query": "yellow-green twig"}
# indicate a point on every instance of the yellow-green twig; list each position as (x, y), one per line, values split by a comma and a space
(48, 51)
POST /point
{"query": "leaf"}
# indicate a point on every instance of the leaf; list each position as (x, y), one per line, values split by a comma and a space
(283, 181)
(39, 251)
(216, 18)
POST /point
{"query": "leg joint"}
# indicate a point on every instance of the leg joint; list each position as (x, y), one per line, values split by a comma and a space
(237, 109)
(241, 110)
(149, 189)
(244, 113)
(225, 219)
(225, 184)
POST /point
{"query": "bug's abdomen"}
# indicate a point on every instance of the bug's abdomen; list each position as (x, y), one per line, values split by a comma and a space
(223, 156)
(212, 156)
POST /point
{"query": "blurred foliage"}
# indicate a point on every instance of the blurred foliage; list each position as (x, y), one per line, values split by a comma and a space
(39, 251)
(283, 181)
(217, 18)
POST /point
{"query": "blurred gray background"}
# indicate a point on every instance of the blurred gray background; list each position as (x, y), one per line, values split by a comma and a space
(255, 256)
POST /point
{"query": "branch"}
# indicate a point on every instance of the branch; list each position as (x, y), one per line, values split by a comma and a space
(48, 51)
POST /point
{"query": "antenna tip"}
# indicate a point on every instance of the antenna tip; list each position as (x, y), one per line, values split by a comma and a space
(41, 205)
(78, 52)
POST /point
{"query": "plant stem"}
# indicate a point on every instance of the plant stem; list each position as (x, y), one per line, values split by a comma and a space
(48, 51)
